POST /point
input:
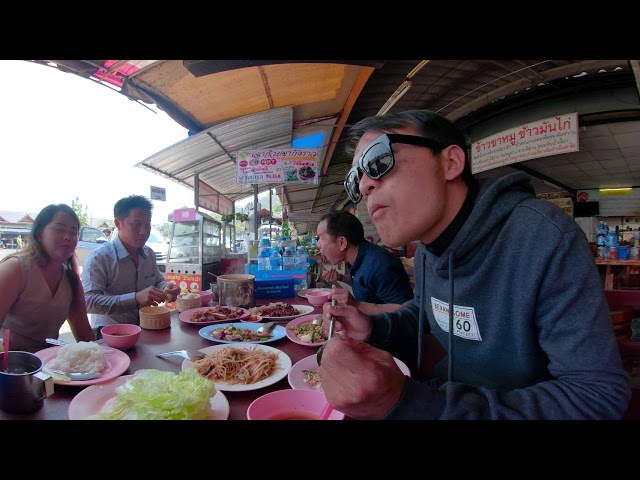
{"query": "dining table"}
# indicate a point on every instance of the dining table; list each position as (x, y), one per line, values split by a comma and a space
(179, 336)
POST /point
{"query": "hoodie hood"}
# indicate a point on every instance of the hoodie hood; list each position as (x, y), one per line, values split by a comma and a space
(495, 203)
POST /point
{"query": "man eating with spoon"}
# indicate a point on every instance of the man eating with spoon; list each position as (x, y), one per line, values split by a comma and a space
(527, 336)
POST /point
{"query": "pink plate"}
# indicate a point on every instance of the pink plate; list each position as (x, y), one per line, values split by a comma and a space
(186, 316)
(117, 364)
(92, 400)
(297, 321)
(297, 378)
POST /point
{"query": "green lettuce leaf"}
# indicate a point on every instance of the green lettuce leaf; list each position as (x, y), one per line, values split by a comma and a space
(158, 395)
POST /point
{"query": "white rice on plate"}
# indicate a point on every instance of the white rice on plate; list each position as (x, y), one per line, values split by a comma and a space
(79, 357)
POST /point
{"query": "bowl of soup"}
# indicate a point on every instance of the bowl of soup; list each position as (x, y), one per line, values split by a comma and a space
(121, 335)
(291, 404)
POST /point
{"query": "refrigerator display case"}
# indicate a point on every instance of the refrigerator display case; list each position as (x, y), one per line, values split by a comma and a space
(195, 249)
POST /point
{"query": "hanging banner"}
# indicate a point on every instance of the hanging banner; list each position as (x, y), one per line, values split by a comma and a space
(278, 166)
(549, 136)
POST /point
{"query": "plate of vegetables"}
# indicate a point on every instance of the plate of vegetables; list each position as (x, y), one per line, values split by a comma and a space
(300, 330)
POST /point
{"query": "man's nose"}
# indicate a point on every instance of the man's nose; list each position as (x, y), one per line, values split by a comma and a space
(366, 185)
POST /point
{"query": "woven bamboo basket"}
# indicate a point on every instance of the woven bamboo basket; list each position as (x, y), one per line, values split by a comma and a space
(184, 304)
(155, 318)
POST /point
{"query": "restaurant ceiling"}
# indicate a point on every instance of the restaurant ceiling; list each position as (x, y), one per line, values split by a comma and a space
(330, 95)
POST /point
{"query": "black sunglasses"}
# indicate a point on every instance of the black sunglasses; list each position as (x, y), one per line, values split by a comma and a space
(377, 160)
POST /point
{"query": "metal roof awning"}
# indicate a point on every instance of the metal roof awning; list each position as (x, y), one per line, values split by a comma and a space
(211, 154)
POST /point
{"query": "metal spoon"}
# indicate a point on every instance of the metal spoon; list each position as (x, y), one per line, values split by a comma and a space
(75, 376)
(266, 328)
(192, 355)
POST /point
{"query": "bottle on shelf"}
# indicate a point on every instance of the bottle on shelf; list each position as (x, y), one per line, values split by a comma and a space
(301, 263)
(612, 244)
(275, 260)
(264, 254)
(302, 258)
(288, 258)
(601, 239)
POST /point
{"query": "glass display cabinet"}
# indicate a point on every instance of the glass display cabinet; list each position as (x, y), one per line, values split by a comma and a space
(195, 249)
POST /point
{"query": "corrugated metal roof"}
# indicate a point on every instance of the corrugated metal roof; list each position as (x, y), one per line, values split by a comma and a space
(212, 153)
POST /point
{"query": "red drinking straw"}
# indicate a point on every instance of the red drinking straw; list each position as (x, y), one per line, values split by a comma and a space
(5, 357)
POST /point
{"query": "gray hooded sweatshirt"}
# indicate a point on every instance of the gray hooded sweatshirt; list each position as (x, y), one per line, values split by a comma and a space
(532, 336)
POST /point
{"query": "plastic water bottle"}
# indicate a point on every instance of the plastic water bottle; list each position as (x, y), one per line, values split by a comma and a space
(288, 259)
(612, 244)
(301, 263)
(275, 260)
(302, 258)
(264, 254)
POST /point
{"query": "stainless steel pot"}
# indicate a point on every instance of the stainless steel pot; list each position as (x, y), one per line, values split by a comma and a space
(237, 290)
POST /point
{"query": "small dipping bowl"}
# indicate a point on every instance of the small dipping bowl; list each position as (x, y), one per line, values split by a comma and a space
(291, 404)
(205, 296)
(317, 297)
(121, 335)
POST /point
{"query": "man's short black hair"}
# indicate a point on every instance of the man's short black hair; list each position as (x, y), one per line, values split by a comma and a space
(123, 206)
(342, 223)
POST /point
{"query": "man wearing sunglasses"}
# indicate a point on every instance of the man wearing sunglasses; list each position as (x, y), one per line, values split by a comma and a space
(377, 277)
(506, 282)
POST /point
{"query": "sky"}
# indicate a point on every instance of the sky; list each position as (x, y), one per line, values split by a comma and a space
(64, 137)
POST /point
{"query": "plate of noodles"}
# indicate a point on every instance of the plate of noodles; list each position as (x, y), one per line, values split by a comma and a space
(241, 367)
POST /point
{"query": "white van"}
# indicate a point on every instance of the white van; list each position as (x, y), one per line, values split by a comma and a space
(158, 244)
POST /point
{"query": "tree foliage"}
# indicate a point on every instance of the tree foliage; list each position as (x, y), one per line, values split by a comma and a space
(78, 208)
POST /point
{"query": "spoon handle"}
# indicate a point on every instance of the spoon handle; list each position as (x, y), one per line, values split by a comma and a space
(332, 322)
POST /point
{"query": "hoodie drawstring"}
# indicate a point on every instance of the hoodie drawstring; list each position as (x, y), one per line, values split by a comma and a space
(421, 315)
(421, 319)
(450, 365)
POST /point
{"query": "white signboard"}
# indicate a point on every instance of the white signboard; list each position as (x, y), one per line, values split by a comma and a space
(278, 165)
(550, 136)
(158, 193)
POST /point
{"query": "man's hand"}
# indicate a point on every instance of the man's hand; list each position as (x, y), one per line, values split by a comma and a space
(359, 380)
(171, 291)
(150, 296)
(331, 275)
(342, 296)
(349, 320)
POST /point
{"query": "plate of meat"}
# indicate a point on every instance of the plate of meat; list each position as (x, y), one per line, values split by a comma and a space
(281, 311)
(212, 315)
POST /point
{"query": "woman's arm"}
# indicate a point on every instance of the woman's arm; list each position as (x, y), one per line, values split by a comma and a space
(10, 283)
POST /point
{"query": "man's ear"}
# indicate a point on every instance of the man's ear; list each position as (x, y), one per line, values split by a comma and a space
(455, 159)
(343, 243)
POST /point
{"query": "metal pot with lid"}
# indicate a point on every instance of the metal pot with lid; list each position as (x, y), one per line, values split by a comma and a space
(237, 290)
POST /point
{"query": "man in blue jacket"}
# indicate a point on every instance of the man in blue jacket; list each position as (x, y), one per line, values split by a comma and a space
(377, 277)
(506, 282)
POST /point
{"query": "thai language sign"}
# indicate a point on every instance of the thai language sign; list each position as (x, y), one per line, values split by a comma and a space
(278, 165)
(550, 136)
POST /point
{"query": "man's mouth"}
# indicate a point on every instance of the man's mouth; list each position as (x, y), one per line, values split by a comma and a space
(374, 208)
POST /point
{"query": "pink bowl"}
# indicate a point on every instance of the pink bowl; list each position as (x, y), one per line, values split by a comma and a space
(121, 335)
(205, 296)
(290, 405)
(317, 297)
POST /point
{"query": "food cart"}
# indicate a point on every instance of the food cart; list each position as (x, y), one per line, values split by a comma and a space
(195, 249)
